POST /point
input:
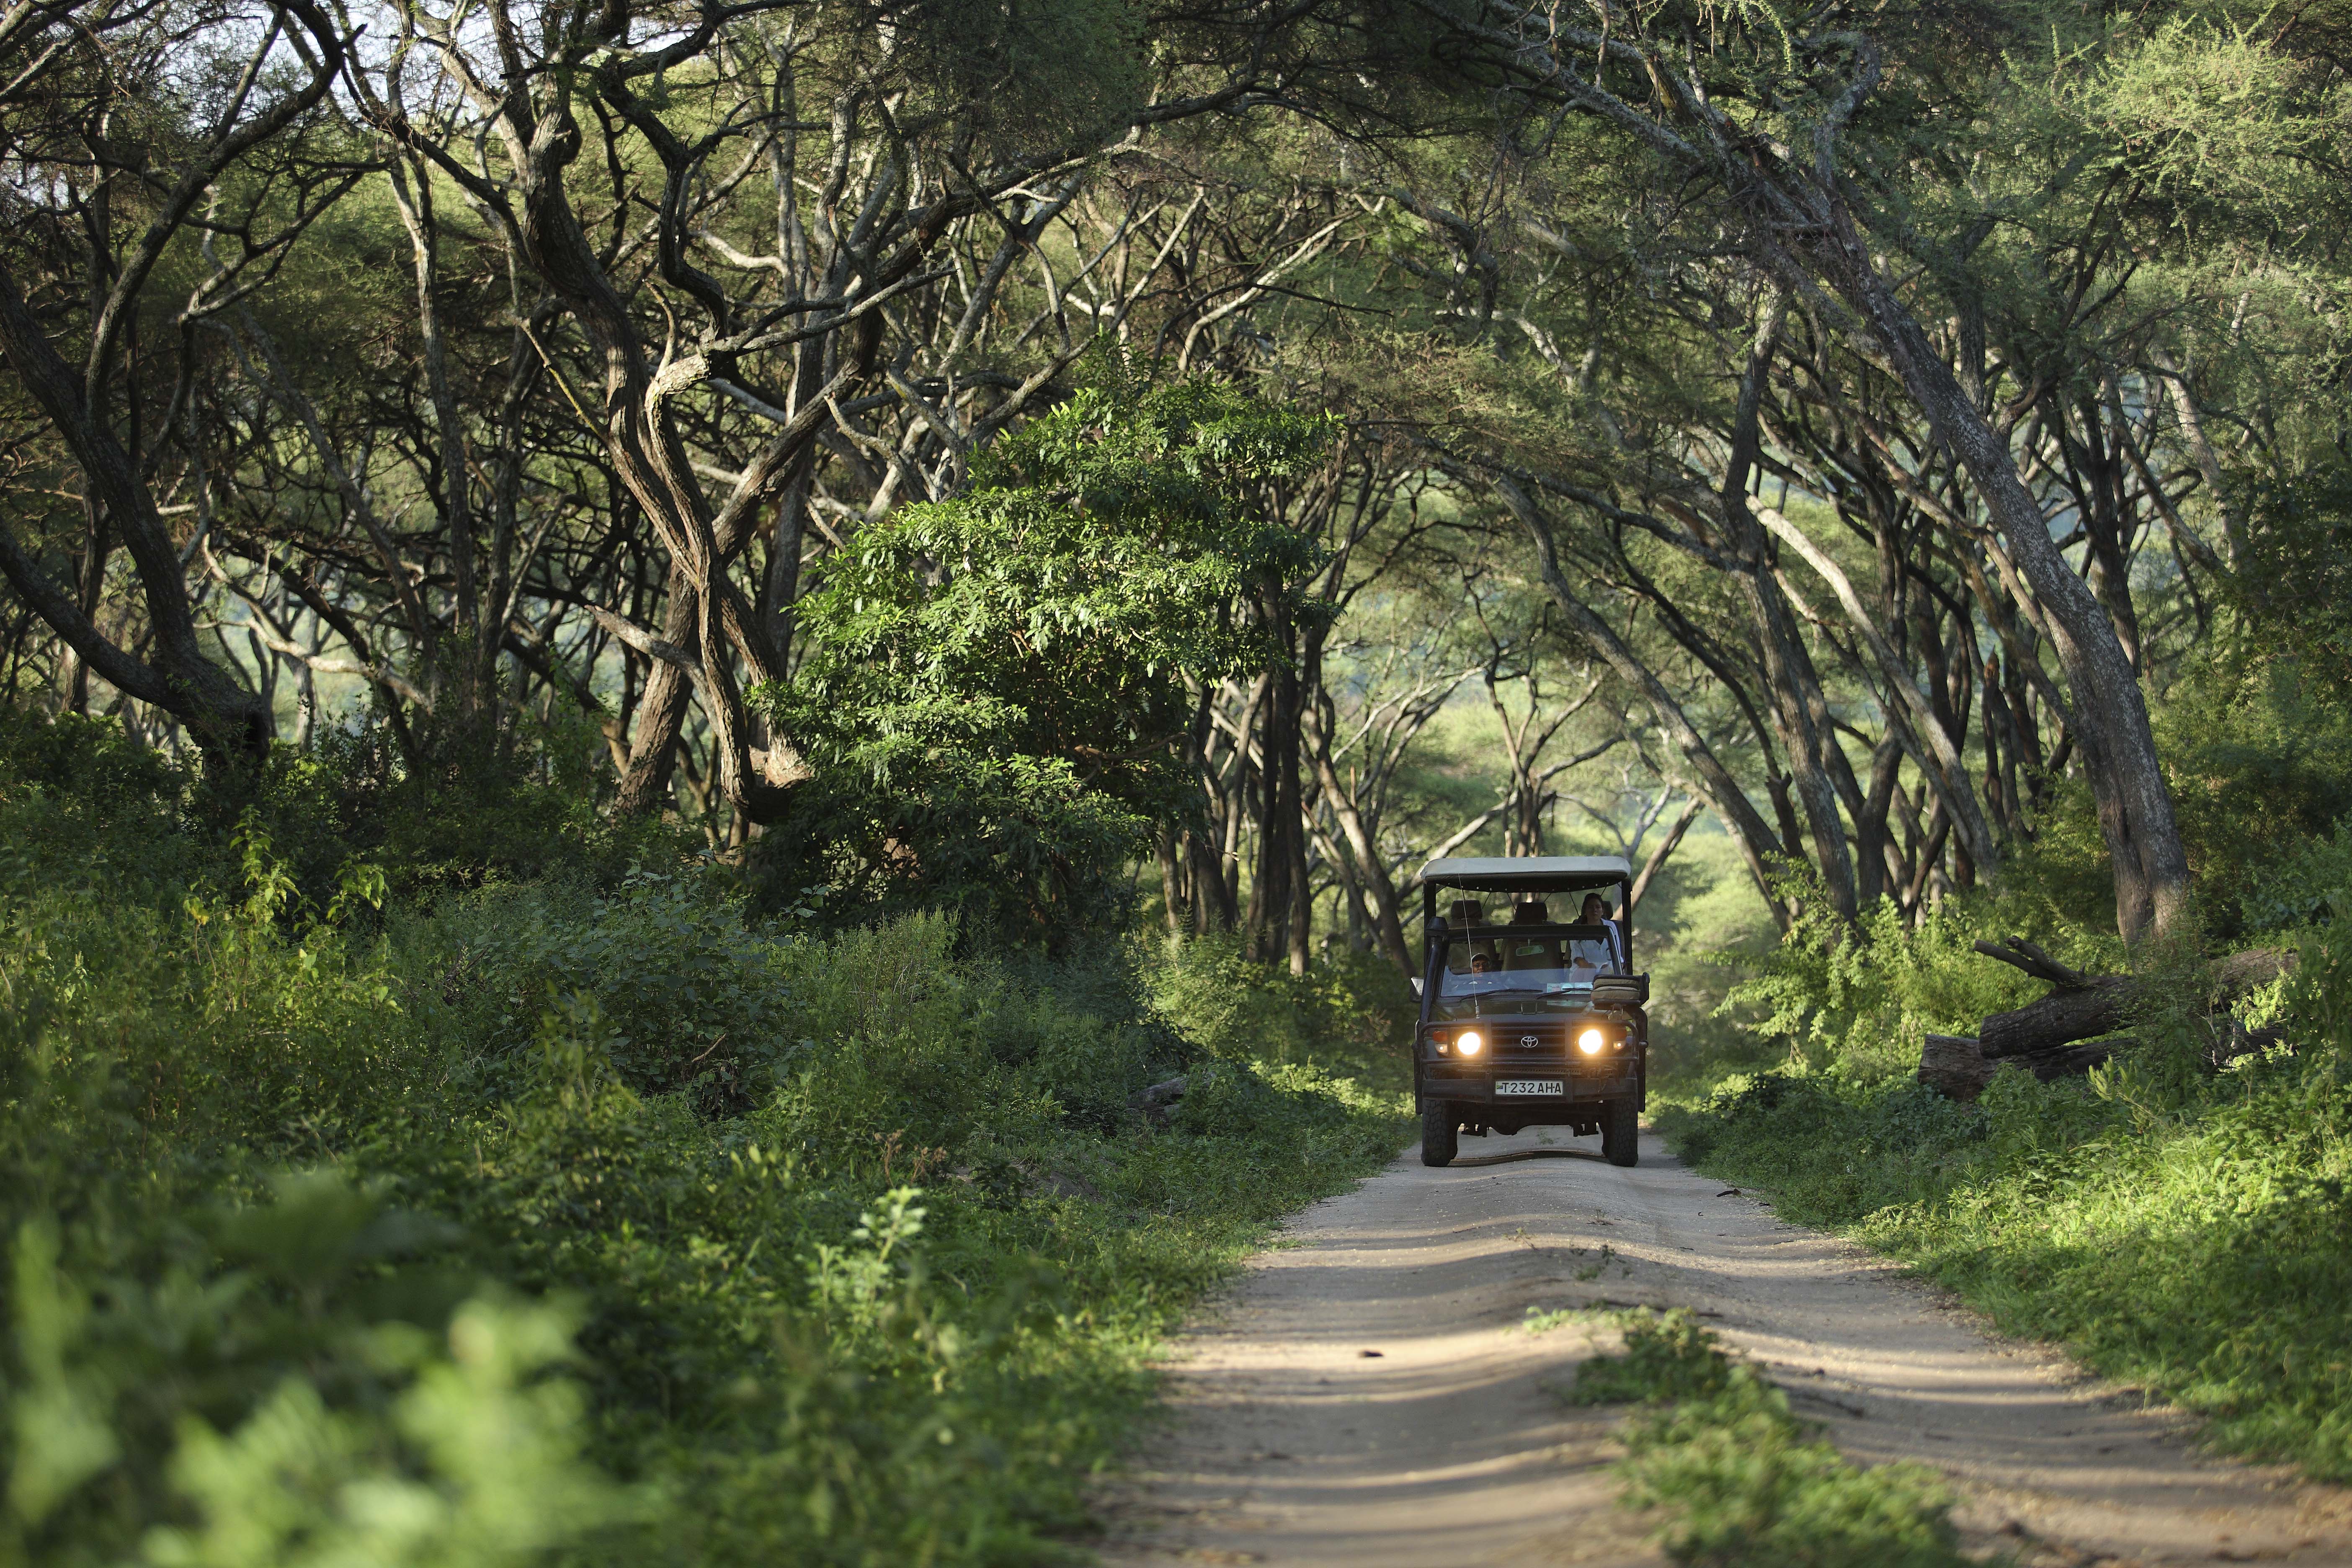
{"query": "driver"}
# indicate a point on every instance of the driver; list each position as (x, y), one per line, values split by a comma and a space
(1482, 963)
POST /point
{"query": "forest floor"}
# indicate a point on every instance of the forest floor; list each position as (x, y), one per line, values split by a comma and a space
(1370, 1390)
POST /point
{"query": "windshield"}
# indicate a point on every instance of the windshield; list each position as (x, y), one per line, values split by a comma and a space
(1512, 969)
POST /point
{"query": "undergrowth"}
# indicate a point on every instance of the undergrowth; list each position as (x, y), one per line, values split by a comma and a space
(1739, 1482)
(586, 1215)
(2185, 1232)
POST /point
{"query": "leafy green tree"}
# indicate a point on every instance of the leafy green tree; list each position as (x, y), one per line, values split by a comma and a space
(991, 684)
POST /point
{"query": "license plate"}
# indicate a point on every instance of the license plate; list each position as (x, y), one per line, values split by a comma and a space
(1529, 1086)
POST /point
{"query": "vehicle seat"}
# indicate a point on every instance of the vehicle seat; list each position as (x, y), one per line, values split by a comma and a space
(1466, 913)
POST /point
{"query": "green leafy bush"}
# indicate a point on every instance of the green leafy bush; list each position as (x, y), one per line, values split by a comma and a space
(989, 682)
(1355, 1010)
(1739, 1480)
(624, 1225)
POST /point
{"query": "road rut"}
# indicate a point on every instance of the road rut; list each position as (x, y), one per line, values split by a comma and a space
(1364, 1396)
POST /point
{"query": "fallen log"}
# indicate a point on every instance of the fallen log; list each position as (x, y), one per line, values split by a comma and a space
(1158, 1103)
(1953, 1064)
(2085, 1006)
(1956, 1065)
(2101, 1007)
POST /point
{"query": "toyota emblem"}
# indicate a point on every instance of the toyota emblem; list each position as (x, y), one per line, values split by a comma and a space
(1528, 1042)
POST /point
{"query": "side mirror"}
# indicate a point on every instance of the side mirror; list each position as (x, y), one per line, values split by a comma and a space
(1416, 984)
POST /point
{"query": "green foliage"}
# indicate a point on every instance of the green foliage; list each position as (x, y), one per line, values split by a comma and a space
(2197, 108)
(2258, 746)
(288, 1387)
(2192, 1244)
(2299, 584)
(1857, 999)
(1031, 74)
(2256, 737)
(989, 683)
(1353, 1011)
(621, 1224)
(1739, 1479)
(1665, 1358)
(686, 994)
(458, 805)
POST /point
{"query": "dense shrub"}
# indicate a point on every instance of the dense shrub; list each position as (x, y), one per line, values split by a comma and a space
(1355, 1010)
(482, 1219)
(990, 683)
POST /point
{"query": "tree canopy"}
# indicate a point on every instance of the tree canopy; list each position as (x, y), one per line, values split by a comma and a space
(1841, 424)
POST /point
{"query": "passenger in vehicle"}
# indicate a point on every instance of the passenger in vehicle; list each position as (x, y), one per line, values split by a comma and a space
(1462, 958)
(1611, 955)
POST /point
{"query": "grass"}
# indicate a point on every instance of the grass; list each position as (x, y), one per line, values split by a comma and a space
(1737, 1479)
(2192, 1237)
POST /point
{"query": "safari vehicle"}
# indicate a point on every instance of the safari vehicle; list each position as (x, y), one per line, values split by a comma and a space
(1529, 1020)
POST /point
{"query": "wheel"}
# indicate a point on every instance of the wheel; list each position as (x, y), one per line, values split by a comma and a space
(1620, 1133)
(1438, 1145)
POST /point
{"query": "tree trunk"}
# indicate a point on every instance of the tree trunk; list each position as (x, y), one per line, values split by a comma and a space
(1369, 875)
(661, 712)
(2060, 1018)
(1276, 899)
(222, 716)
(1755, 836)
(1777, 637)
(1172, 877)
(1658, 857)
(2109, 712)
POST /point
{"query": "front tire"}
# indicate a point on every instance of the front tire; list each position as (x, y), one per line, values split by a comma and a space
(1439, 1142)
(1620, 1133)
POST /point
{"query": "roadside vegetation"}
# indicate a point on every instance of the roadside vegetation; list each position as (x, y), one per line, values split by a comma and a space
(2177, 1216)
(452, 1221)
(2183, 1236)
(1736, 1479)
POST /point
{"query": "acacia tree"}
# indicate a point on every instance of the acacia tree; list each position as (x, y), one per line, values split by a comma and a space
(1769, 118)
(123, 127)
(690, 297)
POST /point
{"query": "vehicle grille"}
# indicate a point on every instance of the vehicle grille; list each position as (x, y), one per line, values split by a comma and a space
(1541, 1040)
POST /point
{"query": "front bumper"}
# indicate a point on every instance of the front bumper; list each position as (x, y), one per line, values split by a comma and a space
(1472, 1083)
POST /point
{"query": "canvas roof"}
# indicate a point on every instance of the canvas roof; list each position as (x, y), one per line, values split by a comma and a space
(1496, 873)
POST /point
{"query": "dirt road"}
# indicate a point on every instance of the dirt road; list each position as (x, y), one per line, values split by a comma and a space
(1363, 1397)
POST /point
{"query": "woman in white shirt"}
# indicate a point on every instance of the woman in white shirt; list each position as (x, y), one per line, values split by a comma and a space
(1596, 914)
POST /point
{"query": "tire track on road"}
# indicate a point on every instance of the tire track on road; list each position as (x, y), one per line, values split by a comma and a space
(1364, 1396)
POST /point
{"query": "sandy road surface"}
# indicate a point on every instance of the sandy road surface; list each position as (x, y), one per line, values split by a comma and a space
(1290, 1442)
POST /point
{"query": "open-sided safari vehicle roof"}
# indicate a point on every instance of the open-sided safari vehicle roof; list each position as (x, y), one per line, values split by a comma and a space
(1523, 874)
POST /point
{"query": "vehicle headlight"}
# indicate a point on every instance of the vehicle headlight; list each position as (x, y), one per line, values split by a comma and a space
(1592, 1042)
(1468, 1043)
